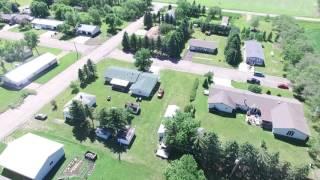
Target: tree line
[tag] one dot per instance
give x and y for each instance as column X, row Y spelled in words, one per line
column 229, row 160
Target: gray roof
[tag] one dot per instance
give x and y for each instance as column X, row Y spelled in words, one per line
column 146, row 82
column 203, row 44
column 7, row 17
column 87, row 28
column 253, row 49
column 122, row 73
column 282, row 112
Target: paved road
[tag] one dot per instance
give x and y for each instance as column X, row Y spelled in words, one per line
column 300, row 18
column 50, row 42
column 196, row 68
column 13, row 119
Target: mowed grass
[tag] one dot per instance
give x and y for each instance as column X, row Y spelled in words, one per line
column 42, row 50
column 22, row 2
column 9, row 97
column 139, row 162
column 288, row 7
column 64, row 63
column 274, row 91
column 21, row 30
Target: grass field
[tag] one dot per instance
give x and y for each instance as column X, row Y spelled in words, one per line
column 22, row 2
column 64, row 63
column 274, row 91
column 42, row 49
column 10, row 98
column 139, row 162
column 18, row 29
column 288, row 7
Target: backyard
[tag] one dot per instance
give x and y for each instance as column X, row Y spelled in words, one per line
column 139, row 162
column 288, row 7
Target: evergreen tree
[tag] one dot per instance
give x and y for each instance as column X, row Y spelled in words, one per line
column 276, row 39
column 264, row 36
column 167, row 18
column 92, row 68
column 125, row 42
column 233, row 50
column 204, row 9
column 133, row 42
column 142, row 59
column 159, row 44
column 270, row 37
column 152, row 45
column 146, row 42
column 139, row 43
column 148, row 20
column 81, row 77
column 87, row 73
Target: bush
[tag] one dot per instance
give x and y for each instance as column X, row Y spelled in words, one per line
column 166, row 28
column 190, row 109
column 269, row 92
column 194, row 90
column 255, row 88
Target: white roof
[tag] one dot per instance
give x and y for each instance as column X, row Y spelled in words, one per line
column 48, row 22
column 171, row 111
column 27, row 154
column 31, row 68
column 87, row 28
column 119, row 82
column 84, row 98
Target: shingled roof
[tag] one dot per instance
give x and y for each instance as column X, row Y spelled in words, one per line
column 253, row 49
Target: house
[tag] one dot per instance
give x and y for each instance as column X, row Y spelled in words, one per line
column 49, row 24
column 125, row 136
column 203, row 46
column 253, row 53
column 84, row 98
column 88, row 30
column 31, row 156
column 25, row 73
column 103, row 133
column 284, row 116
column 225, row 21
column 170, row 112
column 138, row 83
column 15, row 18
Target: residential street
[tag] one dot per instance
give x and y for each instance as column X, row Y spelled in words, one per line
column 196, row 68
column 14, row 118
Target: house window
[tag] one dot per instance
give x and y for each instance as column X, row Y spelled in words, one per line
column 290, row 133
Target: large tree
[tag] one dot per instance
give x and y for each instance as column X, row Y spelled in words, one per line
column 95, row 15
column 39, row 9
column 32, row 40
column 184, row 168
column 125, row 42
column 233, row 50
column 142, row 59
column 113, row 21
column 148, row 20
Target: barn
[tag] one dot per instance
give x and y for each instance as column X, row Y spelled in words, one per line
column 31, row 157
column 25, row 73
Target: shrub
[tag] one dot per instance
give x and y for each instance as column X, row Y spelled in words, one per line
column 190, row 108
column 74, row 87
column 194, row 90
column 255, row 88
column 269, row 92
column 205, row 84
column 166, row 28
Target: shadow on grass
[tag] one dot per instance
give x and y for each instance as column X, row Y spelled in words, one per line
column 292, row 141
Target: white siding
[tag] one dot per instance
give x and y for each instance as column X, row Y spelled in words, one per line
column 283, row 132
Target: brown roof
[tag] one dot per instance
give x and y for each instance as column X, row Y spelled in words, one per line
column 203, row 44
column 282, row 112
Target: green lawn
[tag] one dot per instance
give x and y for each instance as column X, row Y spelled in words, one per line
column 64, row 63
column 10, row 98
column 21, row 30
column 42, row 49
column 2, row 146
column 274, row 91
column 139, row 162
column 288, row 7
column 22, row 2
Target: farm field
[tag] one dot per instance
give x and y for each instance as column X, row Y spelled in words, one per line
column 288, row 7
column 140, row 162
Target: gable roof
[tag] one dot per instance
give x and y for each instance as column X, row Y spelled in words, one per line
column 253, row 49
column 84, row 98
column 282, row 112
column 122, row 73
column 203, row 44
column 47, row 22
column 146, row 82
column 87, row 28
column 27, row 154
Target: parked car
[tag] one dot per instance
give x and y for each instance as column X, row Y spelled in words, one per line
column 283, row 86
column 41, row 116
column 258, row 74
column 160, row 93
column 253, row 81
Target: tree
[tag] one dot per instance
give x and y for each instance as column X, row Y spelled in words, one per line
column 159, row 44
column 139, row 43
column 203, row 10
column 125, row 42
column 77, row 113
column 60, row 10
column 72, row 18
column 190, row 108
column 148, row 20
column 133, row 42
column 255, row 22
column 181, row 132
column 115, row 118
column 255, row 88
column 264, row 36
column 233, row 50
column 142, row 59
column 270, row 37
column 146, row 42
column 185, row 168
column 81, row 77
column 95, row 14
column 74, row 86
column 39, row 9
column 113, row 21
column 276, row 39
column 32, row 40
column 92, row 69
column 13, row 51
column 152, row 45
column 214, row 11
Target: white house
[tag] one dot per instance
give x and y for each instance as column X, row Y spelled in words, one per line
column 25, row 73
column 50, row 24
column 31, row 156
column 170, row 112
column 125, row 136
column 88, row 30
column 84, row 98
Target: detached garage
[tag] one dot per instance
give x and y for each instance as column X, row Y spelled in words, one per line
column 31, row 156
column 25, row 73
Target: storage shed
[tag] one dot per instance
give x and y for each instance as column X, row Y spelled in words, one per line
column 25, row 73
column 31, row 156
column 88, row 30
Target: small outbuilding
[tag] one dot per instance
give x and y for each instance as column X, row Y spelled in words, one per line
column 125, row 136
column 49, row 24
column 225, row 21
column 88, row 30
column 203, row 46
column 253, row 53
column 25, row 73
column 31, row 156
column 84, row 98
